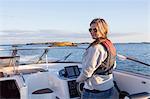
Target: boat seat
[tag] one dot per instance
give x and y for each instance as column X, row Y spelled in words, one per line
column 143, row 95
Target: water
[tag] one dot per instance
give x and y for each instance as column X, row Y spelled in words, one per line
column 140, row 51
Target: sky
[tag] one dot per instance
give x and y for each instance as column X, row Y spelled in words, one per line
column 25, row 21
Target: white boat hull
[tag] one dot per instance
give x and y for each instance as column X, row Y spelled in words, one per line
column 29, row 81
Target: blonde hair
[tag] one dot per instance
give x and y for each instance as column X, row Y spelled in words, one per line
column 102, row 26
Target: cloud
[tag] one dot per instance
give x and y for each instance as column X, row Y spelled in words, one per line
column 48, row 35
column 21, row 36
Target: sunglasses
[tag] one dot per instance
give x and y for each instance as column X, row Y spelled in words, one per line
column 90, row 30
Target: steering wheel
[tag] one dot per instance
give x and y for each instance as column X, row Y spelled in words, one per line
column 80, row 87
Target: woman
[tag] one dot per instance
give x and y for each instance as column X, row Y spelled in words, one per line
column 97, row 64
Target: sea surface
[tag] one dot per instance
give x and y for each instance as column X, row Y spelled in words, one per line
column 139, row 51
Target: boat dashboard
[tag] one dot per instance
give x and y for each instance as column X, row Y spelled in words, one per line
column 70, row 73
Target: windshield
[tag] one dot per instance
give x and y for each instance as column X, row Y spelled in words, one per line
column 54, row 54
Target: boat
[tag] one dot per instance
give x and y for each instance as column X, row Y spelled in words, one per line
column 56, row 79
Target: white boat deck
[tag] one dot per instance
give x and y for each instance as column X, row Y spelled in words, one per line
column 30, row 78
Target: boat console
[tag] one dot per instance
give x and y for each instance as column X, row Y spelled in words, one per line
column 70, row 73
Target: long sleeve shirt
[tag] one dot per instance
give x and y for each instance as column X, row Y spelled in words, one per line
column 92, row 59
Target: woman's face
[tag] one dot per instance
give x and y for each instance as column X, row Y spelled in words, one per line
column 95, row 33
